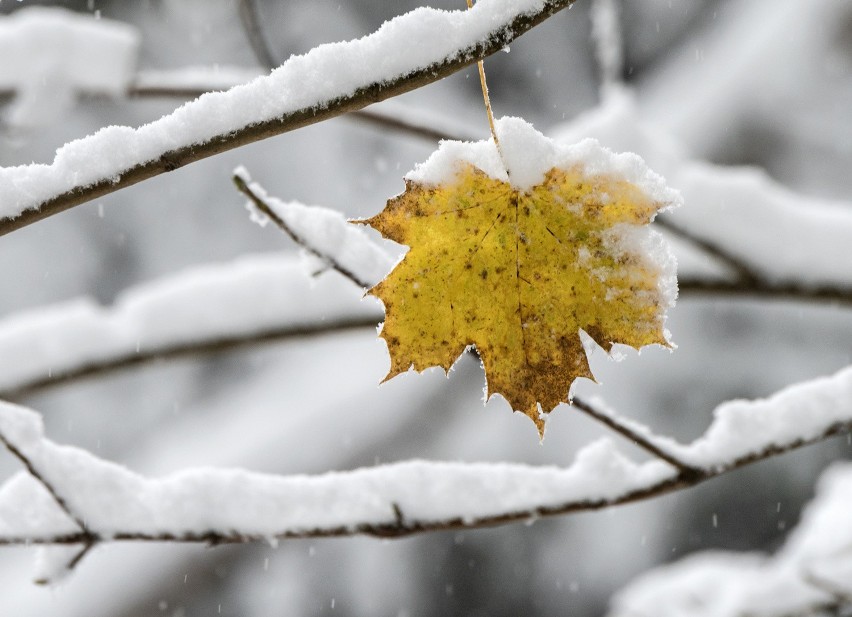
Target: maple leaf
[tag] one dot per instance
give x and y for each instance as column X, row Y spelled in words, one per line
column 518, row 268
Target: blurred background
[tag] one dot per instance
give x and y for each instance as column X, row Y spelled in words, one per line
column 734, row 82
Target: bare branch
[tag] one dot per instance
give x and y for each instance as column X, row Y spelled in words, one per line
column 169, row 160
column 643, row 439
column 745, row 274
column 395, row 122
column 758, row 289
column 251, row 26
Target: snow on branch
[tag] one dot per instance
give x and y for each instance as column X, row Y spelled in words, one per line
column 809, row 575
column 193, row 81
column 249, row 301
column 322, row 232
column 86, row 56
column 228, row 506
column 327, row 81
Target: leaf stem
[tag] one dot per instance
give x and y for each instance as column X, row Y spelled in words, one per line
column 488, row 111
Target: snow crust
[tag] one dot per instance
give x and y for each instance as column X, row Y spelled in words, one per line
column 407, row 43
column 218, row 301
column 66, row 54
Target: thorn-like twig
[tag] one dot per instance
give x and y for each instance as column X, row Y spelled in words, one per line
column 639, row 438
column 247, row 189
column 398, row 516
column 87, row 547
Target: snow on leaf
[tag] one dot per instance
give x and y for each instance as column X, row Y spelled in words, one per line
column 517, row 265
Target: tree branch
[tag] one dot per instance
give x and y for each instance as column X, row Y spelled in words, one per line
column 737, row 289
column 639, row 436
column 35, row 473
column 226, row 344
column 744, row 272
column 251, row 27
column 243, row 185
column 170, row 159
column 86, row 537
column 251, row 24
column 399, row 524
column 636, row 483
column 107, row 365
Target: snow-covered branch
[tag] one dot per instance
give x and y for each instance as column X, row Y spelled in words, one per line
column 322, row 232
column 94, row 57
column 326, row 82
column 228, row 506
column 252, row 300
column 192, row 82
column 809, row 575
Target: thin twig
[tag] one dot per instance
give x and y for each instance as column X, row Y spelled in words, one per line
column 259, row 202
column 170, row 160
column 393, row 122
column 403, row 526
column 744, row 272
column 686, row 470
column 251, row 26
column 60, row 501
column 88, row 539
column 741, row 290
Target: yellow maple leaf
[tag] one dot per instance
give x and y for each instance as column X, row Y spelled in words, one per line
column 518, row 271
